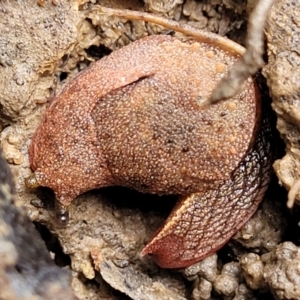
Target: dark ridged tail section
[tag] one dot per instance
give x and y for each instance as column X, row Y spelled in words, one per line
column 202, row 223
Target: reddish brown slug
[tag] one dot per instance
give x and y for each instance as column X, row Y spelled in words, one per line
column 135, row 118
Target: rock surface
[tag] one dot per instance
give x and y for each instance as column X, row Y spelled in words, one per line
column 282, row 73
column 26, row 269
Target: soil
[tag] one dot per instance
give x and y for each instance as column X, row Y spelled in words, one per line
column 43, row 45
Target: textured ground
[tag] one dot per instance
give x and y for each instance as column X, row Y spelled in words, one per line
column 44, row 44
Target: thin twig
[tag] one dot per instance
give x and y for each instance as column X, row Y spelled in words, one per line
column 251, row 61
column 188, row 30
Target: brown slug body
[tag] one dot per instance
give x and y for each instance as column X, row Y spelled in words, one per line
column 135, row 118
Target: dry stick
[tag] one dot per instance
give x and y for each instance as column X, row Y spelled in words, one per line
column 188, row 30
column 251, row 61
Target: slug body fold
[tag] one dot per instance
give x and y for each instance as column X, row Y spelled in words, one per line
column 134, row 118
column 203, row 222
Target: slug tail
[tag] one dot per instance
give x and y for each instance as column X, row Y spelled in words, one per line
column 202, row 223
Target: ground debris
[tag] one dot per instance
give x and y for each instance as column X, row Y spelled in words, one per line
column 26, row 269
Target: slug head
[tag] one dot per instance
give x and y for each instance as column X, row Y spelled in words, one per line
column 64, row 153
column 61, row 211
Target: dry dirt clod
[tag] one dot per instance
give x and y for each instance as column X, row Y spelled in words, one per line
column 207, row 268
column 282, row 73
column 282, row 272
column 253, row 270
column 266, row 229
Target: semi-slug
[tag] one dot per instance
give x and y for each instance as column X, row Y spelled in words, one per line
column 135, row 118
